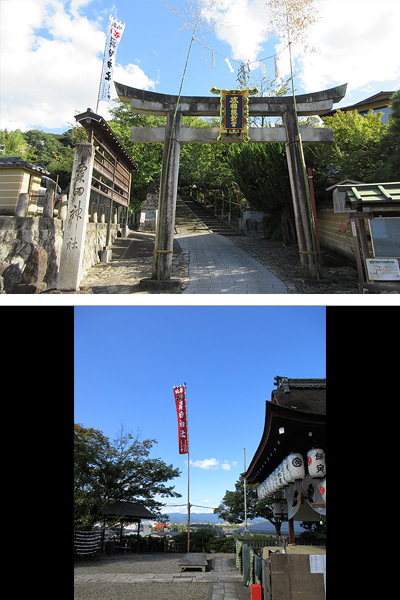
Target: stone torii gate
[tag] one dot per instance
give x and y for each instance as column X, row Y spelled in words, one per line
column 174, row 134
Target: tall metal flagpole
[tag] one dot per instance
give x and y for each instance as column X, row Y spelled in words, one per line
column 188, row 502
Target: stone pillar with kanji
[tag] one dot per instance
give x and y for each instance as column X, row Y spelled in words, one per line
column 70, row 272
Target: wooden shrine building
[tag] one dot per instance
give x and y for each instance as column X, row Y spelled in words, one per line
column 289, row 463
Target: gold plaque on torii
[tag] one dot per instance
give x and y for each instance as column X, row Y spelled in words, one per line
column 234, row 112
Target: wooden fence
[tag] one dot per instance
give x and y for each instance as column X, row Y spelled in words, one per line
column 260, row 543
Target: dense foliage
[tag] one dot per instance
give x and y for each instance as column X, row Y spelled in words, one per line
column 203, row 539
column 105, row 471
column 231, row 508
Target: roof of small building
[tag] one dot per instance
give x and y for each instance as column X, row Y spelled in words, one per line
column 90, row 120
column 18, row 161
column 379, row 100
column 128, row 511
column 372, row 193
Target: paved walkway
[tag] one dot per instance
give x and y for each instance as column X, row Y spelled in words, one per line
column 218, row 266
column 225, row 579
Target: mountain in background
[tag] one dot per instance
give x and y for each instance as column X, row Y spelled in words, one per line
column 199, row 518
column 258, row 525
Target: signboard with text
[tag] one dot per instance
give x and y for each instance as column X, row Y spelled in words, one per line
column 181, row 411
column 234, row 112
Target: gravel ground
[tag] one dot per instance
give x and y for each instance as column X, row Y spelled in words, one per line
column 141, row 591
column 157, row 562
column 136, row 563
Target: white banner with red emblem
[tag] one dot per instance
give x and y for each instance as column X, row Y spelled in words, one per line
column 181, row 411
column 114, row 34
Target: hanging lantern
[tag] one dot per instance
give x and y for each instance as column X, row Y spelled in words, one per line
column 278, row 512
column 322, row 489
column 273, row 482
column 278, row 480
column 286, row 473
column 316, row 462
column 279, row 477
column 259, row 491
column 296, row 465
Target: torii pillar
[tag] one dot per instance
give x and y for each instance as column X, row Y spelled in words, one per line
column 145, row 102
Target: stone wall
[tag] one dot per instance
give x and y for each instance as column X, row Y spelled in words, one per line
column 25, row 269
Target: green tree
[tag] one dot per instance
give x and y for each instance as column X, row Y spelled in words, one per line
column 388, row 168
column 262, row 174
column 116, row 470
column 354, row 154
column 55, row 152
column 231, row 508
column 13, row 143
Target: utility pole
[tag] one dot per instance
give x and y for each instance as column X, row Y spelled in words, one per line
column 245, row 494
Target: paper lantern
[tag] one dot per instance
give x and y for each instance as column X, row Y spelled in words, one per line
column 296, row 466
column 316, row 462
column 286, row 473
column 279, row 477
column 278, row 512
column 322, row 489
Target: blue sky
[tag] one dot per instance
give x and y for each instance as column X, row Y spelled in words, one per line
column 51, row 52
column 127, row 360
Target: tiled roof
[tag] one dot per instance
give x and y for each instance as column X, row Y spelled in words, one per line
column 17, row 161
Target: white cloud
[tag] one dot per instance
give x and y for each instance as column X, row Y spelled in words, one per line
column 46, row 78
column 207, row 463
column 214, row 464
column 242, row 24
column 356, row 43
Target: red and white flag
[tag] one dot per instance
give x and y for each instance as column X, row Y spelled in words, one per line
column 181, row 411
column 114, row 34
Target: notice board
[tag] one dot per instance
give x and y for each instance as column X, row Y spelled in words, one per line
column 385, row 235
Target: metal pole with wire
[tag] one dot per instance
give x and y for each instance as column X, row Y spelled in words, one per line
column 245, row 493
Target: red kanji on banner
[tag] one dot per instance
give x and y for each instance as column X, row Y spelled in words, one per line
column 181, row 411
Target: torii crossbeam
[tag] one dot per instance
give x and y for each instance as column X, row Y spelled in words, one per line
column 173, row 134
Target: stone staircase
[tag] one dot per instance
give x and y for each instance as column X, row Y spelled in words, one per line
column 212, row 222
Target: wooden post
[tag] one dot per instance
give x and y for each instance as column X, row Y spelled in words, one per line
column 299, row 195
column 291, row 531
column 167, row 202
column 163, row 246
column 359, row 261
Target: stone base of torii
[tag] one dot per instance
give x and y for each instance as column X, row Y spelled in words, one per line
column 173, row 135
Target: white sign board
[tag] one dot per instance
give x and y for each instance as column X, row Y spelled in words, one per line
column 383, row 269
column 318, row 565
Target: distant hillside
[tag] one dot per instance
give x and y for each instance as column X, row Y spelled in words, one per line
column 195, row 518
column 198, row 518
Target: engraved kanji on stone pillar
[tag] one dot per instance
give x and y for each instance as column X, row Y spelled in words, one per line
column 70, row 273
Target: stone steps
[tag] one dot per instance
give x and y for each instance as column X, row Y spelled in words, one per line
column 212, row 222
